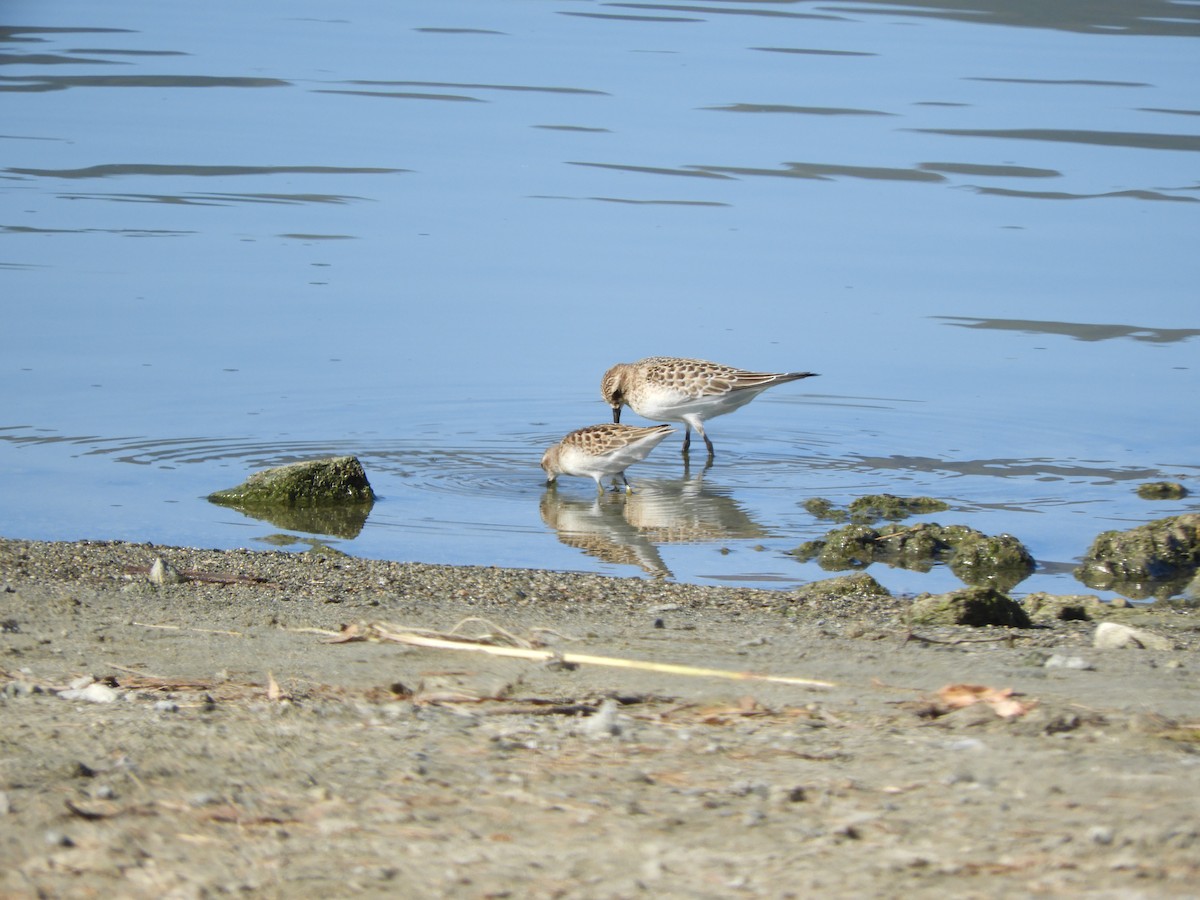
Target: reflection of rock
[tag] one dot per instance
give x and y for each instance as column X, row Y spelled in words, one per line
column 322, row 496
column 680, row 511
column 597, row 527
column 337, row 521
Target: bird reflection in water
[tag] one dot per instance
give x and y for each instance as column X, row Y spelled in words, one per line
column 626, row 529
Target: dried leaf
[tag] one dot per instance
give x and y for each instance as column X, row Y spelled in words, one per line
column 1003, row 701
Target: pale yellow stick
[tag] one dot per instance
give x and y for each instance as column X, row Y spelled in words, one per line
column 421, row 640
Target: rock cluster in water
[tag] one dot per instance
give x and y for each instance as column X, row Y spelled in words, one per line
column 996, row 560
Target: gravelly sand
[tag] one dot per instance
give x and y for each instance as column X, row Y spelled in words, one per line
column 244, row 753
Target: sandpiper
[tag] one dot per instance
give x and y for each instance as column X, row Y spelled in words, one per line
column 600, row 450
column 669, row 389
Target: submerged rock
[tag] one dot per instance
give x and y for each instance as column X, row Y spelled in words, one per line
column 321, row 496
column 1157, row 559
column 870, row 508
column 821, row 508
column 977, row 606
column 1162, row 490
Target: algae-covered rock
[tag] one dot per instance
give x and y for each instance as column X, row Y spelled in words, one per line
column 1000, row 561
column 976, row 606
column 872, row 507
column 1162, row 490
column 334, row 480
column 320, row 496
column 846, row 586
column 852, row 547
column 997, row 560
column 821, row 508
column 1045, row 608
column 1157, row 559
column 914, row 547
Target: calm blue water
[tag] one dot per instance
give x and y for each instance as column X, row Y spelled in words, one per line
column 420, row 232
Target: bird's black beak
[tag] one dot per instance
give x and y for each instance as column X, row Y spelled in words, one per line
column 617, row 414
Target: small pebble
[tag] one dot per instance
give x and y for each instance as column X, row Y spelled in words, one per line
column 1068, row 662
column 162, row 572
column 603, row 722
column 93, row 693
column 966, row 744
column 1113, row 636
column 754, row 818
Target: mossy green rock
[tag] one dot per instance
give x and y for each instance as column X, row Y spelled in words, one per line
column 852, row 547
column 915, row 547
column 975, row 606
column 1162, row 490
column 334, row 480
column 1156, row 559
column 821, row 508
column 846, row 586
column 1000, row 560
column 871, row 507
column 1046, row 608
column 320, row 496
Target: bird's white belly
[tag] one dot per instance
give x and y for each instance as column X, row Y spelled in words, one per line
column 677, row 407
column 578, row 462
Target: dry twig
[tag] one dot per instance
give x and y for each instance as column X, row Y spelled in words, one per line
column 411, row 637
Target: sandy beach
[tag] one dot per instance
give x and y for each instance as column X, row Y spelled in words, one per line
column 248, row 723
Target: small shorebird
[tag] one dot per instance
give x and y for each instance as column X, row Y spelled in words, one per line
column 667, row 389
column 600, row 450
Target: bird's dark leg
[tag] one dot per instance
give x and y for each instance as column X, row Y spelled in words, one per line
column 687, row 438
column 707, row 442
